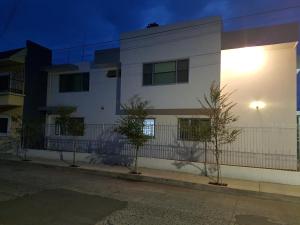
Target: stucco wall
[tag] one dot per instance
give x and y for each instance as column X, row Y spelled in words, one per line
column 199, row 41
column 102, row 93
column 245, row 173
column 266, row 74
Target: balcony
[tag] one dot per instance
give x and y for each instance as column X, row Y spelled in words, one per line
column 11, row 91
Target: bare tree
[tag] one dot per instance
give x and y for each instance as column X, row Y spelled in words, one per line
column 219, row 107
column 131, row 125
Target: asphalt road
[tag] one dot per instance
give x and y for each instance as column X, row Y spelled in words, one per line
column 36, row 195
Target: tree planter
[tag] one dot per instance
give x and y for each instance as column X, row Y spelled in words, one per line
column 135, row 173
column 218, row 184
column 74, row 166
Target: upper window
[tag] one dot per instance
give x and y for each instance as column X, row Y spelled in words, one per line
column 3, row 125
column 149, row 127
column 75, row 82
column 194, row 129
column 166, row 72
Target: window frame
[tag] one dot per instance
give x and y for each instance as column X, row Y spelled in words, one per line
column 154, row 128
column 72, row 74
column 176, row 72
column 8, row 125
column 189, row 118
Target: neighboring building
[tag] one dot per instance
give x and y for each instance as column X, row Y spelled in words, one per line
column 22, row 85
column 90, row 88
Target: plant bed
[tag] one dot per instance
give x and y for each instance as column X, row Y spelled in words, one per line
column 135, row 173
column 26, row 160
column 218, row 184
column 74, row 166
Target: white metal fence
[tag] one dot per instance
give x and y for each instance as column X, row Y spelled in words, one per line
column 268, row 147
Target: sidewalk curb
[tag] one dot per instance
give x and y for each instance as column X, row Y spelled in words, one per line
column 159, row 180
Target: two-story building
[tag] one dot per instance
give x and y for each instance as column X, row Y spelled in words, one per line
column 173, row 66
column 23, row 86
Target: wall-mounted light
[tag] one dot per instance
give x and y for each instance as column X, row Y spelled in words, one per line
column 257, row 105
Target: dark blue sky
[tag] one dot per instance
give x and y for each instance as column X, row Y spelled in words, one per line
column 65, row 23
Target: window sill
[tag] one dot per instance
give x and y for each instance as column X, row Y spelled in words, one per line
column 171, row 84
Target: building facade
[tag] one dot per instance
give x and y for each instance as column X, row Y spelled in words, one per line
column 172, row 67
column 22, row 86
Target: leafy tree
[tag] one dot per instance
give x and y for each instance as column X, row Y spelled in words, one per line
column 131, row 124
column 219, row 108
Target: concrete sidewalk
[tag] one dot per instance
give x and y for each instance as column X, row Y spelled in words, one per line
column 173, row 178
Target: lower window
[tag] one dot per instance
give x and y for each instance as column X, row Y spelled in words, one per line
column 149, row 128
column 71, row 127
column 194, row 129
column 3, row 125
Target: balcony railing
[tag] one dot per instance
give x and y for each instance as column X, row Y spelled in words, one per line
column 8, row 84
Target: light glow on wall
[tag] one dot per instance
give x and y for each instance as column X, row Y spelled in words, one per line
column 243, row 60
column 257, row 105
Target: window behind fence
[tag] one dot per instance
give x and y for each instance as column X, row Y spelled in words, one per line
column 73, row 127
column 193, row 129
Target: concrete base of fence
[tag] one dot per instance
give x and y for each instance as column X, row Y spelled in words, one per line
column 235, row 172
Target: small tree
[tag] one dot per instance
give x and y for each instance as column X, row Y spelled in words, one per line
column 219, row 108
column 70, row 126
column 203, row 134
column 132, row 123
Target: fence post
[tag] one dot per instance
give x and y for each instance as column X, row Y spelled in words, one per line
column 74, row 154
column 205, row 158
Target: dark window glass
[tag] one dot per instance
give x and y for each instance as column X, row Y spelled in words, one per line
column 73, row 127
column 194, row 129
column 147, row 74
column 3, row 125
column 4, row 83
column 166, row 72
column 112, row 73
column 182, row 76
column 182, row 71
column 74, row 82
column 164, row 78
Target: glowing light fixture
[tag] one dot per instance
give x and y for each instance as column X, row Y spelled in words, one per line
column 257, row 105
column 243, row 60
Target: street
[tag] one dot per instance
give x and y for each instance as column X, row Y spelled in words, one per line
column 36, row 195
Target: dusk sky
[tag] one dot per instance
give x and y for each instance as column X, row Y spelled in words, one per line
column 67, row 23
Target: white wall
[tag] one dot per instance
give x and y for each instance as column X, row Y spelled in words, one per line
column 245, row 173
column 267, row 74
column 200, row 41
column 102, row 93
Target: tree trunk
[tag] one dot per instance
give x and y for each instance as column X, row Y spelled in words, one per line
column 218, row 168
column 217, row 159
column 74, row 154
column 136, row 160
column 205, row 158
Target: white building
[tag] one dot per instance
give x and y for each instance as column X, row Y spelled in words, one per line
column 173, row 66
